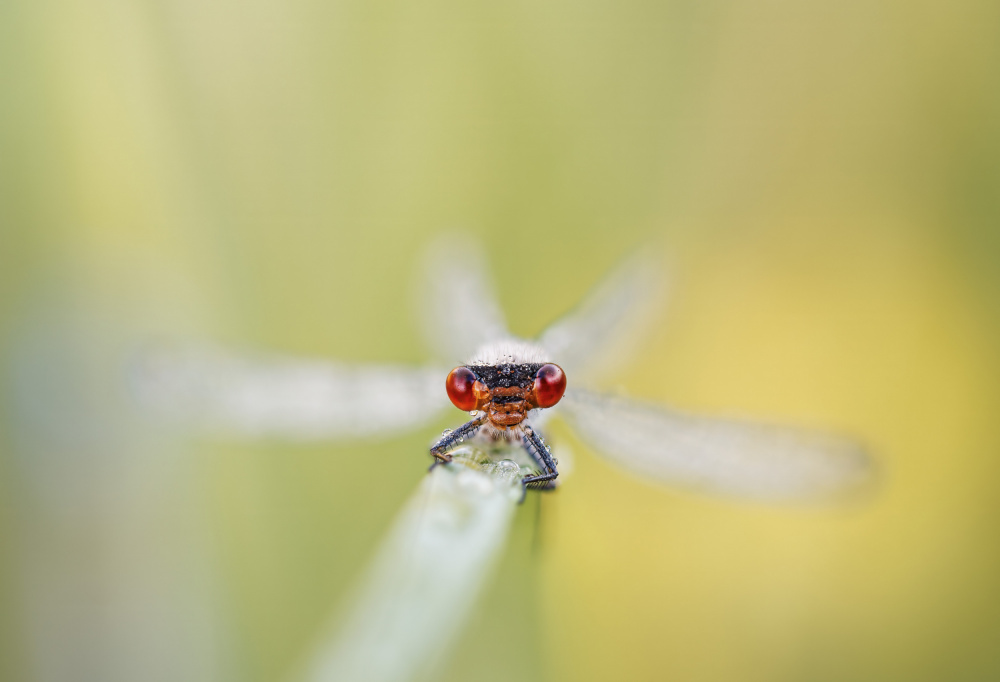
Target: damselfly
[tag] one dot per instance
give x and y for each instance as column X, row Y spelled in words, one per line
column 511, row 387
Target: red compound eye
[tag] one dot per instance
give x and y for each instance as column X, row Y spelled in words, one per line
column 550, row 384
column 464, row 388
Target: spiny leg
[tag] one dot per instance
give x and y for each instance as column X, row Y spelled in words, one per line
column 441, row 449
column 540, row 452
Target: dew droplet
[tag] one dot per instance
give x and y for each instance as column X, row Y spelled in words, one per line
column 446, row 432
column 506, row 469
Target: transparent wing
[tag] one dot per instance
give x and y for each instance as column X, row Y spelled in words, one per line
column 283, row 397
column 458, row 306
column 730, row 457
column 603, row 331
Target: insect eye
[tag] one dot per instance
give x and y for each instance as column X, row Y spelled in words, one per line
column 464, row 388
column 550, row 384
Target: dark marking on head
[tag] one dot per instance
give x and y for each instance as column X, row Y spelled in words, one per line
column 507, row 376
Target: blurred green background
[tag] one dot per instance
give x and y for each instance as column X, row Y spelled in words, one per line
column 823, row 178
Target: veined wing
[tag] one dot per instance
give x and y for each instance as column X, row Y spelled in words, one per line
column 457, row 303
column 287, row 398
column 605, row 328
column 731, row 457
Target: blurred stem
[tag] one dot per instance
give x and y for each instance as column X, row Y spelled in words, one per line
column 424, row 580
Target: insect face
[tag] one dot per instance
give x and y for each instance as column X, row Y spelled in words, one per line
column 507, row 391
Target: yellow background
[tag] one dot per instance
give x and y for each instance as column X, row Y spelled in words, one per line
column 824, row 179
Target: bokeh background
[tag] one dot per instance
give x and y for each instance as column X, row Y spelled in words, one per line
column 824, row 179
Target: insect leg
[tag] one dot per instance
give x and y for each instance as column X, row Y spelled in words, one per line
column 540, row 452
column 449, row 441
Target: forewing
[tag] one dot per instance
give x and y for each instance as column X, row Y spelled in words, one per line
column 457, row 303
column 604, row 330
column 732, row 457
column 283, row 397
